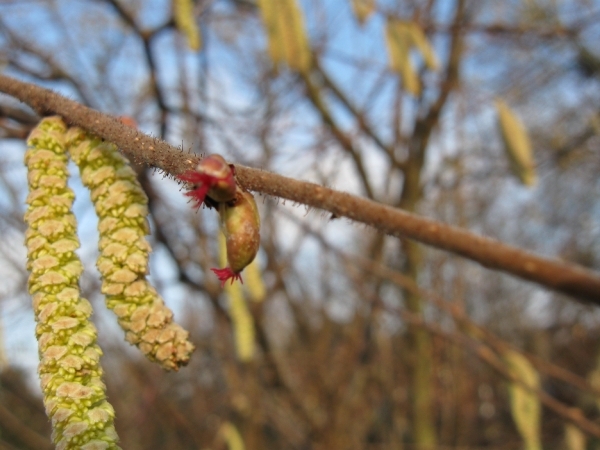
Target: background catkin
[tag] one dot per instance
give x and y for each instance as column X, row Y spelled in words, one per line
column 241, row 318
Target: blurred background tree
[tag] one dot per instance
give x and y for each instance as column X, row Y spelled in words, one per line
column 342, row 337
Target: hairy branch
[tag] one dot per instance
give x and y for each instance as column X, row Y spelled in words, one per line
column 554, row 274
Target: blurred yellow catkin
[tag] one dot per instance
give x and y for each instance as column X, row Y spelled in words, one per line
column 420, row 41
column 254, row 282
column 243, row 324
column 524, row 405
column 363, row 9
column 286, row 34
column 231, row 436
column 516, row 144
column 575, row 439
column 183, row 14
column 399, row 42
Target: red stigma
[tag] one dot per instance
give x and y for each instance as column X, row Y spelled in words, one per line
column 202, row 182
column 225, row 274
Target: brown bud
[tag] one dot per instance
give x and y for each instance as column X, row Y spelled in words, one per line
column 240, row 223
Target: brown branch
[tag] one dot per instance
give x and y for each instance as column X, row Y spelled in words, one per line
column 488, row 354
column 358, row 115
column 473, row 330
column 314, row 95
column 485, row 353
column 25, row 435
column 561, row 276
column 146, row 38
column 485, row 344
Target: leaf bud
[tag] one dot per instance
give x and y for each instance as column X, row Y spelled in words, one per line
column 240, row 223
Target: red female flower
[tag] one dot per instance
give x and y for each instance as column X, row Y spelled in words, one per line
column 212, row 177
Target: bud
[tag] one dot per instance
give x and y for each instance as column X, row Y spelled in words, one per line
column 129, row 121
column 240, row 223
column 213, row 177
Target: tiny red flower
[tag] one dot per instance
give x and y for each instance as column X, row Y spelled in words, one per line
column 212, row 177
column 227, row 274
column 202, row 183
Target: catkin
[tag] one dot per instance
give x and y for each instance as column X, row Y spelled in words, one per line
column 241, row 319
column 69, row 369
column 122, row 207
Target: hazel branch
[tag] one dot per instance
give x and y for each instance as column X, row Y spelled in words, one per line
column 560, row 276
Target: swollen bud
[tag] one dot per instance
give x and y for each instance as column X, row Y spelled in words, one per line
column 240, row 224
column 212, row 177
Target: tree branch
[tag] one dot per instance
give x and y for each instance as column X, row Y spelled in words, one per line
column 563, row 277
column 314, row 95
column 24, row 435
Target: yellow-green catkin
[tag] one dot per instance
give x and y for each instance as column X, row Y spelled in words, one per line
column 254, row 282
column 286, row 34
column 399, row 42
column 69, row 369
column 183, row 13
column 122, row 208
column 243, row 324
column 363, row 9
column 231, row 436
column 525, row 405
column 517, row 144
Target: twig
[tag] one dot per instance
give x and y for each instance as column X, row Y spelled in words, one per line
column 358, row 115
column 573, row 415
column 24, row 434
column 314, row 95
column 474, row 331
column 561, row 276
column 146, row 38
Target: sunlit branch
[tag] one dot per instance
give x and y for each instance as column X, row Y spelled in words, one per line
column 561, row 276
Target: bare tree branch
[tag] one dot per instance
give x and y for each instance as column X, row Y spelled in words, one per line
column 561, row 276
column 25, row 435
